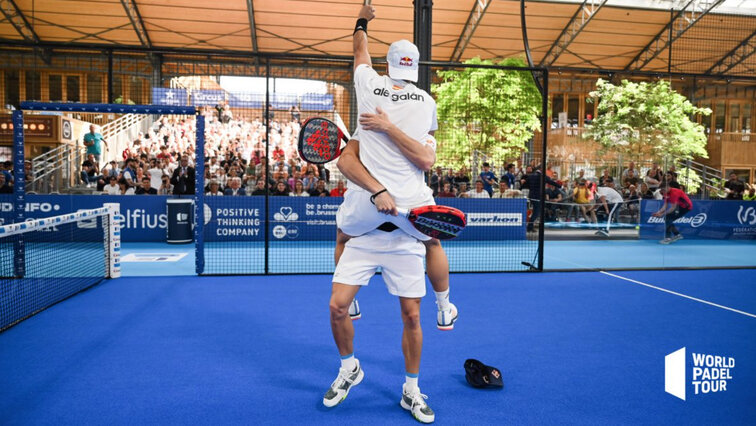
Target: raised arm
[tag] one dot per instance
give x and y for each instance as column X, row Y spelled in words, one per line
column 359, row 39
column 419, row 154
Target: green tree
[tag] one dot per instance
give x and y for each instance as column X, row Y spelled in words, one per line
column 646, row 120
column 489, row 110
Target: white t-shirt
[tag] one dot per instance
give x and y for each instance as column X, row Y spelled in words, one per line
column 473, row 194
column 156, row 175
column 612, row 196
column 111, row 190
column 412, row 110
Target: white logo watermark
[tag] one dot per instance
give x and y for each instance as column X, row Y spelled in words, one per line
column 710, row 373
column 694, row 221
column 747, row 216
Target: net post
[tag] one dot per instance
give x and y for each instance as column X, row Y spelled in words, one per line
column 113, row 240
column 19, row 191
column 199, row 194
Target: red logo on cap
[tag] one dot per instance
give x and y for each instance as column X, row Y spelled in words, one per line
column 405, row 61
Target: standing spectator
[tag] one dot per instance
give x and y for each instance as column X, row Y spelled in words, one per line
column 299, row 190
column 446, row 191
column 234, row 187
column 146, row 187
column 479, row 191
column 93, row 141
column 156, row 173
column 129, row 174
column 437, row 181
column 488, row 178
column 112, row 187
column 295, row 114
column 509, row 176
column 533, row 182
column 462, row 177
column 339, row 190
column 320, row 190
column 734, row 188
column 183, row 178
column 4, row 187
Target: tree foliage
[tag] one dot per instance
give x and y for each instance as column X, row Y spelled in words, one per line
column 646, row 120
column 489, row 110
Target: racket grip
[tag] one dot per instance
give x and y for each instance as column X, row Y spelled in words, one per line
column 402, row 212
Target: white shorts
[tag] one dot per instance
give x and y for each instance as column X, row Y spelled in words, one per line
column 399, row 256
column 358, row 216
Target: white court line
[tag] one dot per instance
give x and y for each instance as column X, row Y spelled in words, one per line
column 680, row 294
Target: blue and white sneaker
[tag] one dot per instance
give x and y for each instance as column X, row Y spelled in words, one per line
column 354, row 310
column 446, row 318
column 341, row 386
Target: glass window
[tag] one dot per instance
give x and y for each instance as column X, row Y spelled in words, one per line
column 136, row 93
column 734, row 117
column 72, row 89
column 12, row 94
column 557, row 106
column 33, row 86
column 94, row 88
column 719, row 117
column 56, row 88
column 117, row 88
column 705, row 120
column 746, row 127
column 573, row 110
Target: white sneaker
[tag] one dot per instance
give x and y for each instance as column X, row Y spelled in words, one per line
column 602, row 233
column 341, row 386
column 354, row 310
column 414, row 402
column 665, row 241
column 677, row 237
column 446, row 318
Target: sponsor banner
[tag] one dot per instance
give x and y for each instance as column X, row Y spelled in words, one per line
column 163, row 96
column 143, row 218
column 246, row 99
column 234, row 218
column 208, row 97
column 317, row 102
column 709, row 219
column 283, row 100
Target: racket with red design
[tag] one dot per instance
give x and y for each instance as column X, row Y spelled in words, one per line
column 320, row 140
column 442, row 222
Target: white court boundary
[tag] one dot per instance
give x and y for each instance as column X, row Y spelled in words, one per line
column 679, row 294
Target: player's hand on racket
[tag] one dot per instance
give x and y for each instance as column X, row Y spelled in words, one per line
column 384, row 202
column 367, row 11
column 378, row 122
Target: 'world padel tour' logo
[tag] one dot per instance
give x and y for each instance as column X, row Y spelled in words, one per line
column 709, row 373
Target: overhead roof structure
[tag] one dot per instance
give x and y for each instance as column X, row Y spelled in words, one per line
column 616, row 34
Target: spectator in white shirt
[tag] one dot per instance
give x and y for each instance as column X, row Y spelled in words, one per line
column 112, row 187
column 214, row 188
column 479, row 191
column 124, row 187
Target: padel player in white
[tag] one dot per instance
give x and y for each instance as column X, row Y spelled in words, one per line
column 611, row 200
column 398, row 252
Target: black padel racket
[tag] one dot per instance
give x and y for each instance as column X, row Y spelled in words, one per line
column 442, row 222
column 320, row 140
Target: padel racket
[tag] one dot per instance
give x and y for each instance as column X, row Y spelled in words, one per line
column 442, row 222
column 320, row 140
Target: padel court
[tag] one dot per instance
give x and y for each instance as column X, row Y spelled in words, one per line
column 583, row 347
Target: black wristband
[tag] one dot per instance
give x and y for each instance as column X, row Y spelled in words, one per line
column 372, row 197
column 360, row 26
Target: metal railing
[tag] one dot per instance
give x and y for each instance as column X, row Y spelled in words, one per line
column 120, row 133
column 56, row 170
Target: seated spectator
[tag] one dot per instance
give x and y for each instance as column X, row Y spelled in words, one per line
column 103, row 180
column 112, row 187
column 259, row 188
column 124, row 188
column 645, row 192
column 310, row 181
column 234, row 187
column 299, row 190
column 146, row 187
column 446, row 191
column 462, row 177
column 604, row 177
column 165, row 188
column 339, row 190
column 281, row 189
column 213, row 188
column 582, row 196
column 320, row 190
column 654, row 177
column 479, row 191
column 633, row 197
column 751, row 194
column 553, row 197
column 88, row 175
column 4, row 187
column 462, row 191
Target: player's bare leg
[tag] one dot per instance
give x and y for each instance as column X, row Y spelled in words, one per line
column 437, row 268
column 412, row 347
column 350, row 373
column 341, row 240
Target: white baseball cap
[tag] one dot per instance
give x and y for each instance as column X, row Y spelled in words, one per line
column 403, row 58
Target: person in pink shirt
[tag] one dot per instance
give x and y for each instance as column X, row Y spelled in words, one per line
column 676, row 205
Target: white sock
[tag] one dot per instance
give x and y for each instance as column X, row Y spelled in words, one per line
column 410, row 382
column 442, row 299
column 348, row 362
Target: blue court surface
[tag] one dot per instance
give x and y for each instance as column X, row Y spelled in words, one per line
column 574, row 348
column 480, row 256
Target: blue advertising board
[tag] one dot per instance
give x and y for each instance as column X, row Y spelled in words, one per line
column 709, row 219
column 317, row 102
column 283, row 100
column 208, row 97
column 246, row 99
column 164, row 96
